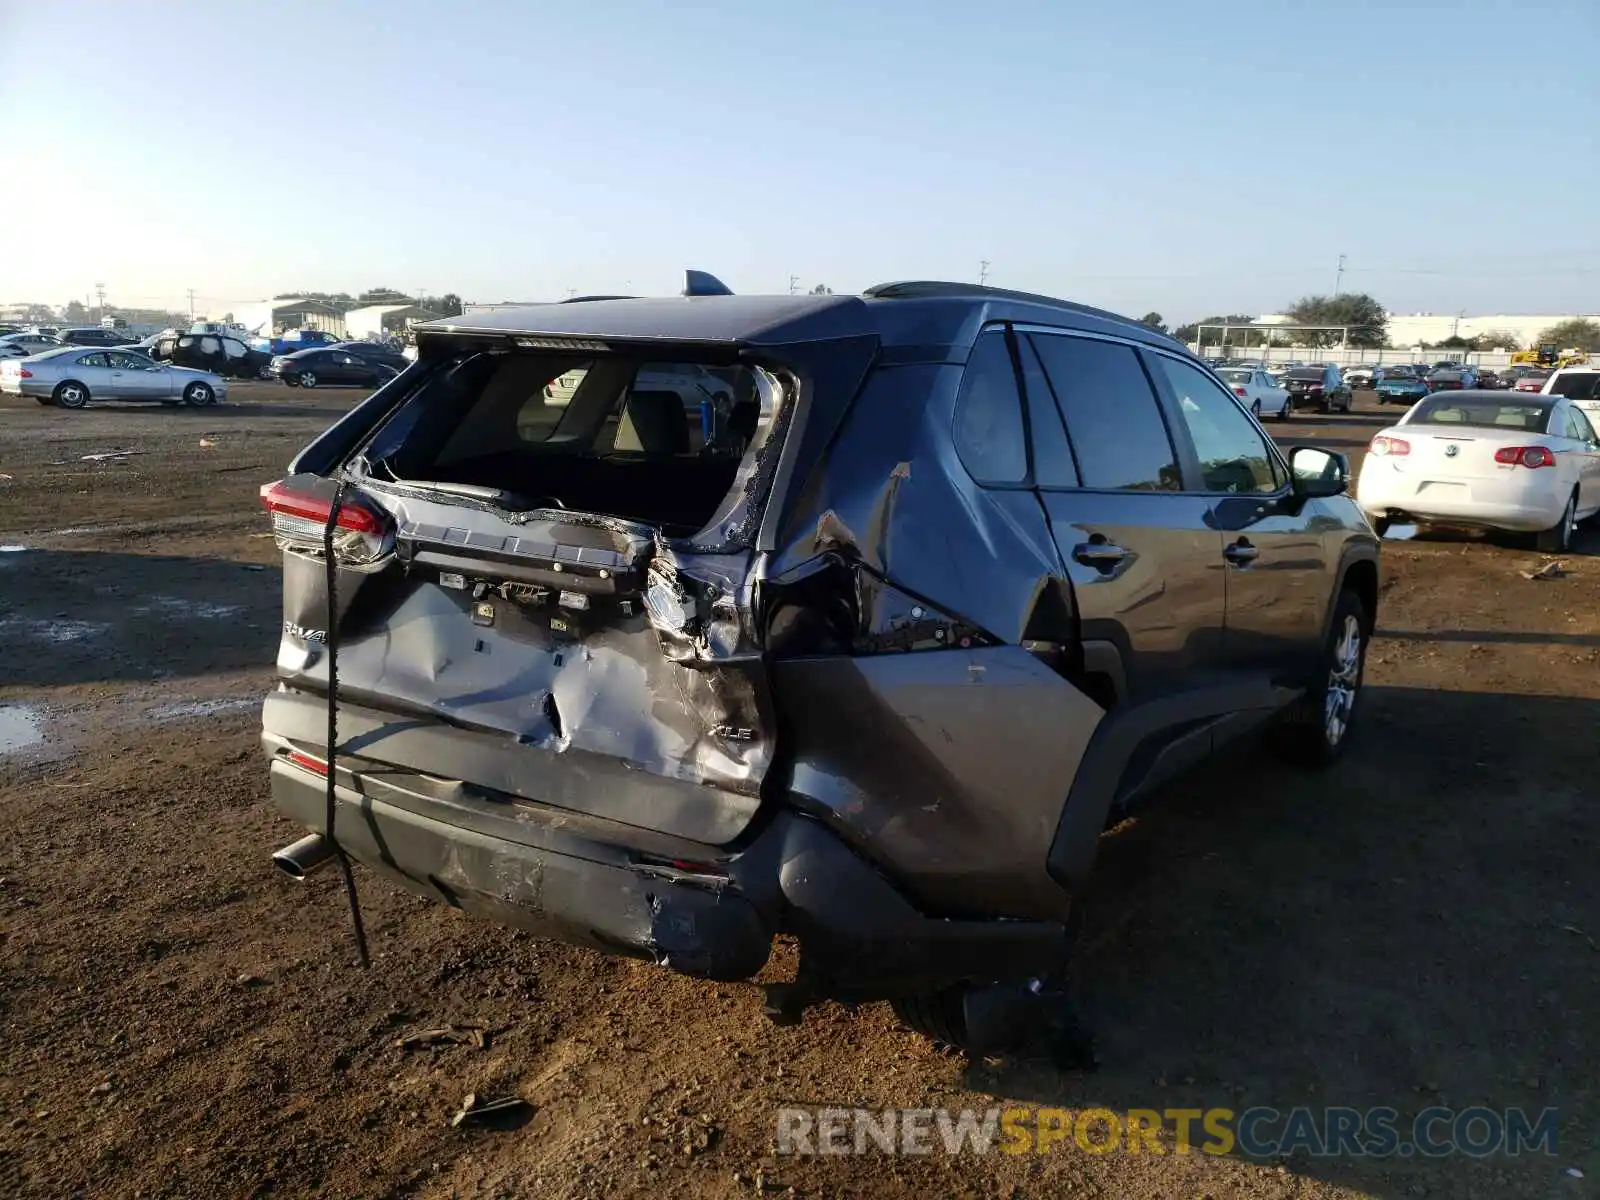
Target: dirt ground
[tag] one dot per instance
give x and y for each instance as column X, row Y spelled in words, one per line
column 1419, row 926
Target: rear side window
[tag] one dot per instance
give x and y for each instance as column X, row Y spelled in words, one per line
column 1576, row 385
column 988, row 429
column 92, row 360
column 1113, row 419
column 1579, row 424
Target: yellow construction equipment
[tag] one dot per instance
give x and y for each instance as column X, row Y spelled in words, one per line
column 1547, row 356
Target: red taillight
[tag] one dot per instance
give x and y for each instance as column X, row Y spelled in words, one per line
column 1526, row 456
column 1238, row 391
column 363, row 534
column 1393, row 447
column 308, row 762
column 353, row 514
column 24, row 372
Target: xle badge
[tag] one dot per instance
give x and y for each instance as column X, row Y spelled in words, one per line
column 483, row 613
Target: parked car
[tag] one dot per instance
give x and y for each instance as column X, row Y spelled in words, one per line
column 1359, row 376
column 1581, row 385
column 221, row 354
column 300, row 339
column 318, row 368
column 616, row 687
column 1532, row 381
column 1259, row 391
column 1400, row 387
column 1489, row 381
column 95, row 335
column 12, row 350
column 1487, row 460
column 72, row 376
column 1456, row 377
column 31, row 343
column 1318, row 387
column 375, row 352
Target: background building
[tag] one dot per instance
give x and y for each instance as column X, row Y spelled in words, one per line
column 376, row 320
column 275, row 316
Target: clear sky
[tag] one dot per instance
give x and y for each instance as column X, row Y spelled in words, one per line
column 1188, row 158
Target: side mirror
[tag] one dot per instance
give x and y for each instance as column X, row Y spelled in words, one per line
column 1316, row 472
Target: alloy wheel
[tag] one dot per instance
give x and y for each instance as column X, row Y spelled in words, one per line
column 1344, row 677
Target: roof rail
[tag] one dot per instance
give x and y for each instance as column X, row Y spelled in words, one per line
column 925, row 289
column 586, row 299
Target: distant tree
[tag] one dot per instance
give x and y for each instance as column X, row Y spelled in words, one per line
column 1497, row 339
column 1153, row 319
column 822, row 289
column 1579, row 333
column 1454, row 342
column 449, row 305
column 74, row 312
column 1368, row 322
column 384, row 295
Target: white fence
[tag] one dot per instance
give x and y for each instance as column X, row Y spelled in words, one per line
column 1353, row 356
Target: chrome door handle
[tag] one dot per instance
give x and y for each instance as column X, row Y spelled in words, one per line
column 1098, row 554
column 1241, row 553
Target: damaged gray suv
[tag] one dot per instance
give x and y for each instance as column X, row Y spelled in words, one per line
column 868, row 653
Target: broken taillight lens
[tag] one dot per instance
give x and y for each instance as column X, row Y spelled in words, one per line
column 363, row 534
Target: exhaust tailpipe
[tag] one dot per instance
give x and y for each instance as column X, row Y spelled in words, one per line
column 309, row 854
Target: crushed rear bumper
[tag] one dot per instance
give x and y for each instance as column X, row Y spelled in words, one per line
column 707, row 911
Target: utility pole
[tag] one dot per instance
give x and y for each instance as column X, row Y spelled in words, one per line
column 1338, row 279
column 191, row 308
column 794, row 284
column 983, row 272
column 100, row 298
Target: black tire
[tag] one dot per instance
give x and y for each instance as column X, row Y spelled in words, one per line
column 1288, row 407
column 1255, row 409
column 937, row 1016
column 1305, row 736
column 1380, row 526
column 307, row 379
column 1558, row 538
column 290, row 381
column 199, row 395
column 70, row 393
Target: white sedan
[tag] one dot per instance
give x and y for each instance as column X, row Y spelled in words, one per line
column 1257, row 391
column 1489, row 460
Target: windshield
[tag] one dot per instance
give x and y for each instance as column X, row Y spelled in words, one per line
column 1576, row 385
column 1527, row 415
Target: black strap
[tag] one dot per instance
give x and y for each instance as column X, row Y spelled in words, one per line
column 331, row 576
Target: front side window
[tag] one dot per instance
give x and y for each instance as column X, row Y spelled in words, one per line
column 1234, row 456
column 1113, row 418
column 92, row 360
column 210, row 345
column 988, row 427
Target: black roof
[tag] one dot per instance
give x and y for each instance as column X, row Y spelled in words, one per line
column 923, row 314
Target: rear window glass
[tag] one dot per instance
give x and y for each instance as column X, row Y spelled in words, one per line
column 1576, row 385
column 1493, row 414
column 1236, row 375
column 1312, row 373
column 658, row 441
